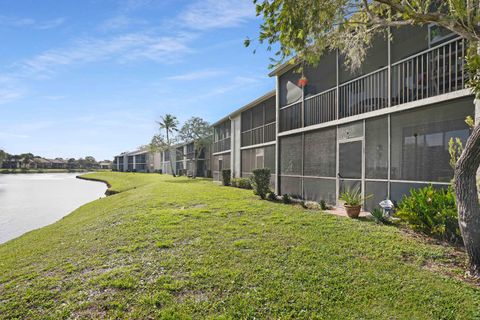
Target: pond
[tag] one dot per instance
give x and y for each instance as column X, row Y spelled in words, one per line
column 31, row 201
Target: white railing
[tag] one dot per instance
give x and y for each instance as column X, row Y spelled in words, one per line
column 364, row 94
column 432, row 72
column 291, row 117
column 321, row 107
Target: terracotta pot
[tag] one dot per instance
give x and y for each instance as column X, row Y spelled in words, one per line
column 302, row 82
column 353, row 211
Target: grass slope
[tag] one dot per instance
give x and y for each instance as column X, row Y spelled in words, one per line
column 179, row 248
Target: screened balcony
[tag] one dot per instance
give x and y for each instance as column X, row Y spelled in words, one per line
column 221, row 137
column 221, row 145
column 258, row 124
column 436, row 71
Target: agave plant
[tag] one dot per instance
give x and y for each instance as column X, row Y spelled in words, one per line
column 354, row 197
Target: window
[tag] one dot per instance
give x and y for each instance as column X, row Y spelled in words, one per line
column 420, row 140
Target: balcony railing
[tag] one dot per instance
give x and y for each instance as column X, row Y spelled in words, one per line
column 364, row 94
column 222, row 145
column 259, row 135
column 291, row 117
column 433, row 72
column 321, row 107
column 269, row 132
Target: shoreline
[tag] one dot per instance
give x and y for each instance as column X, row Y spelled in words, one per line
column 108, row 192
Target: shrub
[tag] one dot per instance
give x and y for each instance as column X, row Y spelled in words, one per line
column 323, row 205
column 245, row 183
column 311, row 205
column 242, row 183
column 286, row 198
column 431, row 211
column 261, row 182
column 353, row 197
column 226, row 176
column 379, row 216
column 272, row 196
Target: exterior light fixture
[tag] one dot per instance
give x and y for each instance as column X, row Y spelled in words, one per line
column 387, row 206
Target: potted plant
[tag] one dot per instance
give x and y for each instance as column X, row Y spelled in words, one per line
column 353, row 201
column 303, row 81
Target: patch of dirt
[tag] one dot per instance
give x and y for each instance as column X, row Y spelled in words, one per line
column 452, row 262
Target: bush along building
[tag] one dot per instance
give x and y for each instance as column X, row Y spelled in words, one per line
column 384, row 129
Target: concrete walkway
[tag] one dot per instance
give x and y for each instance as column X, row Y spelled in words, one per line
column 340, row 211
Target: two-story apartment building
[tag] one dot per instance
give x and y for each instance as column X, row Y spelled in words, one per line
column 245, row 140
column 182, row 156
column 383, row 129
column 185, row 154
column 137, row 161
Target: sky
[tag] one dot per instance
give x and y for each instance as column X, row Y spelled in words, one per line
column 92, row 77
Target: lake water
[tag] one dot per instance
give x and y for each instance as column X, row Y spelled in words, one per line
column 31, row 201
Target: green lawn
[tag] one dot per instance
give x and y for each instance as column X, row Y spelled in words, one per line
column 176, row 248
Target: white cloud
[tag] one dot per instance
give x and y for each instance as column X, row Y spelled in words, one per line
column 120, row 22
column 55, row 98
column 212, row 14
column 8, row 21
column 50, row 24
column 10, row 135
column 238, row 82
column 10, row 94
column 130, row 5
column 123, row 48
column 197, row 75
column 10, row 90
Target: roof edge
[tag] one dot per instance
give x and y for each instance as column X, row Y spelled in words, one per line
column 284, row 67
column 249, row 105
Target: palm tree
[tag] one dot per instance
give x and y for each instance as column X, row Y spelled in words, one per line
column 169, row 123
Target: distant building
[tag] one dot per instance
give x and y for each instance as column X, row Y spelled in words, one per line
column 58, row 163
column 136, row 161
column 105, row 165
column 182, row 157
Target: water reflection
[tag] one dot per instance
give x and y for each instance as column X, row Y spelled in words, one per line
column 31, row 201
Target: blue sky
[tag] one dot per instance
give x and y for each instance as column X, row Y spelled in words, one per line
column 91, row 77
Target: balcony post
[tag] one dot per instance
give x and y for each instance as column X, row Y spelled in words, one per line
column 302, row 110
column 337, row 91
column 277, row 130
column 389, row 81
column 337, row 156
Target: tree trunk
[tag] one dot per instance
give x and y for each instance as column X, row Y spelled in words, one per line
column 194, row 174
column 169, row 150
column 171, row 164
column 467, row 199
